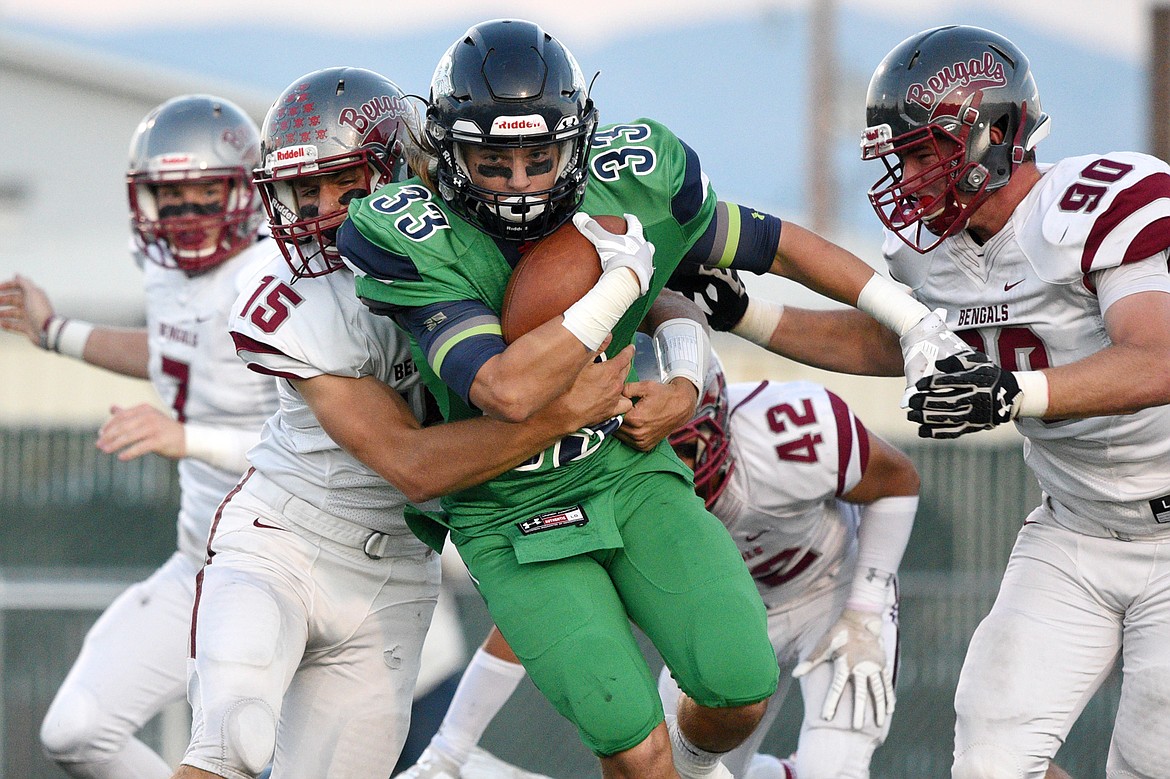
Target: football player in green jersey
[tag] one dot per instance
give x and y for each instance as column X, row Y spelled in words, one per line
column 592, row 534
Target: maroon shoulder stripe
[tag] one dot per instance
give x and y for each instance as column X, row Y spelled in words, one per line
column 1152, row 239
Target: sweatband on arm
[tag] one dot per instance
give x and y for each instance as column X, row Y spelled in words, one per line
column 759, row 321
column 65, row 336
column 592, row 317
column 889, row 304
column 1033, row 398
column 223, row 447
column 882, row 535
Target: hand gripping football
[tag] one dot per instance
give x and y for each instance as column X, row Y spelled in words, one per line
column 551, row 276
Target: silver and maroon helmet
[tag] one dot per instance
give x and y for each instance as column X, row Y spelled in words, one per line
column 507, row 83
column 948, row 84
column 327, row 123
column 709, row 433
column 194, row 139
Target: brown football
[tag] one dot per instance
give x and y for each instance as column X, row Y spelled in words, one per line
column 551, row 276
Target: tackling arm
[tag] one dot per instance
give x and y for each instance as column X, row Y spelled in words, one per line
column 419, row 461
column 842, row 340
column 831, row 270
column 845, row 340
column 662, row 408
column 805, row 257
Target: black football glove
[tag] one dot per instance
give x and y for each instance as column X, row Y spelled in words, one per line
column 969, row 393
column 718, row 291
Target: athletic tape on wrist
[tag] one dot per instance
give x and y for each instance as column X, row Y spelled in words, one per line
column 222, row 447
column 882, row 535
column 1033, row 398
column 592, row 317
column 759, row 321
column 683, row 350
column 889, row 304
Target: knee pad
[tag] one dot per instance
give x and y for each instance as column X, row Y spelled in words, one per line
column 614, row 704
column 69, row 732
column 249, row 736
column 986, row 761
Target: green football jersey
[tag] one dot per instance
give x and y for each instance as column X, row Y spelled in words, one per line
column 431, row 255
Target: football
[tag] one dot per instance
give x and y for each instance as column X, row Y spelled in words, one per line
column 551, row 276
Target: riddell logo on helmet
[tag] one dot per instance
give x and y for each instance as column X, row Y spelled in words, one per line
column 304, row 157
column 972, row 75
column 519, row 125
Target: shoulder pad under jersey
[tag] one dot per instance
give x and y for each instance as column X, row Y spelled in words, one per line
column 1094, row 212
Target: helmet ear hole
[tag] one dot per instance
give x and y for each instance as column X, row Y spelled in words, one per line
column 998, row 131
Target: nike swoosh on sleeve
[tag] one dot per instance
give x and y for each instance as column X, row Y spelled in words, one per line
column 257, row 523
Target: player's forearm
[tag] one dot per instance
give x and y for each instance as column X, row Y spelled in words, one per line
column 526, row 376
column 846, row 341
column 1120, row 379
column 820, row 265
column 421, row 462
column 119, row 349
column 486, row 448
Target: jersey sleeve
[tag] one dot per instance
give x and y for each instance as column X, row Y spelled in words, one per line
column 263, row 328
column 407, row 250
column 1096, row 212
column 642, row 167
column 1113, row 284
column 457, row 338
column 737, row 237
column 301, row 329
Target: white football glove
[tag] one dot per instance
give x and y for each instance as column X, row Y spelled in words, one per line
column 925, row 344
column 854, row 645
column 631, row 250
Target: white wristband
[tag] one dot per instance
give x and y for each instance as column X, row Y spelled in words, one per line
column 65, row 336
column 889, row 304
column 1033, row 397
column 759, row 321
column 592, row 317
column 684, row 350
column 223, row 447
column 882, row 535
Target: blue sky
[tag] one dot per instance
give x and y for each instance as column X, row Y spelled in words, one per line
column 731, row 78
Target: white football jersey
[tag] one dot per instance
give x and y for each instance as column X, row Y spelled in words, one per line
column 1027, row 298
column 311, row 327
column 194, row 368
column 797, row 447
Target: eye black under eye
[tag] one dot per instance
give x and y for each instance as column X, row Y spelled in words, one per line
column 494, row 171
column 539, row 168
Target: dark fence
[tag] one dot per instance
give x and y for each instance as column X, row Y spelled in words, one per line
column 76, row 525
